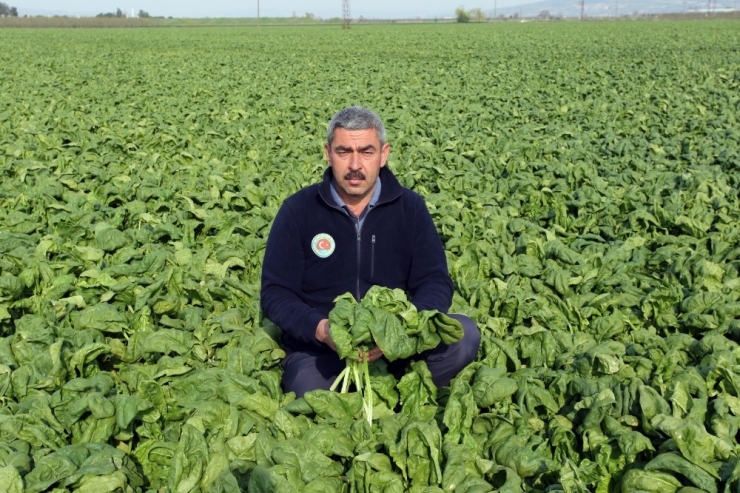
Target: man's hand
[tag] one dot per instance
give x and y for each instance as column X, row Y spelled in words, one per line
column 373, row 354
column 323, row 334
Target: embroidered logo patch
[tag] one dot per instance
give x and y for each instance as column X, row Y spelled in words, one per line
column 322, row 245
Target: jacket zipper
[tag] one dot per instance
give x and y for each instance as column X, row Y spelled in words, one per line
column 356, row 222
column 372, row 257
column 359, row 242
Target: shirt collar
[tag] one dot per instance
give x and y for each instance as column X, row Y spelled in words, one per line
column 373, row 200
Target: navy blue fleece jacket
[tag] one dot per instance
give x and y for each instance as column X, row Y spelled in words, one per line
column 397, row 247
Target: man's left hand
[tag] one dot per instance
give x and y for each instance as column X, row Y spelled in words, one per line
column 372, row 354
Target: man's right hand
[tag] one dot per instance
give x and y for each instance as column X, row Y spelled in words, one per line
column 323, row 335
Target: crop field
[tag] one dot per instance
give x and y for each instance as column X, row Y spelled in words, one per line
column 584, row 178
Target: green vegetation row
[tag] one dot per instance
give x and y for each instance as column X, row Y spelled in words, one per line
column 584, row 179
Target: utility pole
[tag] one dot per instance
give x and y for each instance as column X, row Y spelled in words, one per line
column 345, row 14
column 494, row 9
column 582, row 2
column 258, row 14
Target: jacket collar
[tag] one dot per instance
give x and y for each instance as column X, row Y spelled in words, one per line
column 390, row 190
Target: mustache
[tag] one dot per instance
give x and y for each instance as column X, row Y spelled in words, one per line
column 354, row 175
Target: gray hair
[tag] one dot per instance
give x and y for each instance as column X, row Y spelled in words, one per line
column 355, row 118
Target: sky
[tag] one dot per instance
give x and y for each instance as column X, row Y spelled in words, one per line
column 378, row 9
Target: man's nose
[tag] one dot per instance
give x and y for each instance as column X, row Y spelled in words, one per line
column 354, row 161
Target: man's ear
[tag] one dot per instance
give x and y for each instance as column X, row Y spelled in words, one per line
column 327, row 153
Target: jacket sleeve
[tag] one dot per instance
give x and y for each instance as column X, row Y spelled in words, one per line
column 282, row 279
column 429, row 282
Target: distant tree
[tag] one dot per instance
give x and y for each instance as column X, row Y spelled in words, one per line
column 477, row 15
column 143, row 14
column 461, row 14
column 544, row 14
column 119, row 13
column 6, row 10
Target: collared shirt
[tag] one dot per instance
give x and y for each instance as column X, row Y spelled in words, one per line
column 373, row 202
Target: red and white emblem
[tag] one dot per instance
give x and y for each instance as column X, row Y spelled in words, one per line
column 323, row 245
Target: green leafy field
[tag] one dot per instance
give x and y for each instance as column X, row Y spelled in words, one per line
column 584, row 178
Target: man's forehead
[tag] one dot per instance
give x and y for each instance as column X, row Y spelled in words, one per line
column 355, row 138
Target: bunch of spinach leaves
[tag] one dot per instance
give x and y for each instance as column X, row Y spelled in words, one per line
column 384, row 318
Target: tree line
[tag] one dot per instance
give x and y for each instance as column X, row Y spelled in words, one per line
column 119, row 13
column 8, row 11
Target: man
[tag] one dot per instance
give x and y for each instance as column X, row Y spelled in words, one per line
column 357, row 228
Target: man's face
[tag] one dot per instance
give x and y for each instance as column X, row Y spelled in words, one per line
column 355, row 157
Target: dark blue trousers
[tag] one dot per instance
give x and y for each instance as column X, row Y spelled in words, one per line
column 311, row 370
